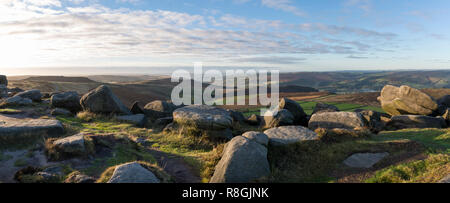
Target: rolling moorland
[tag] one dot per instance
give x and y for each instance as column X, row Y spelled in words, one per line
column 393, row 148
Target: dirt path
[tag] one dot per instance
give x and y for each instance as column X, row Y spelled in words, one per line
column 176, row 167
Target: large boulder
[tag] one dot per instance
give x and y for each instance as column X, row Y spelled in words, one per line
column 237, row 116
column 415, row 121
column 15, row 130
column 203, row 117
column 281, row 118
column 3, row 80
column 373, row 118
column 102, row 100
column 158, row 109
column 300, row 117
column 34, row 95
column 243, row 161
column 289, row 134
column 3, row 91
column 405, row 100
column 138, row 119
column 66, row 100
column 322, row 107
column 331, row 120
column 67, row 147
column 444, row 101
column 254, row 120
column 258, row 137
column 161, row 106
column 132, row 173
column 136, row 109
column 16, row 101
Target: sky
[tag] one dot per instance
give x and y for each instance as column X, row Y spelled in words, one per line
column 288, row 35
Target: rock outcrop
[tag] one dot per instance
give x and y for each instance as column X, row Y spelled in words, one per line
column 16, row 101
column 132, row 173
column 415, row 121
column 444, row 101
column 258, row 137
column 330, row 120
column 3, row 91
column 237, row 116
column 102, row 100
column 243, row 161
column 69, row 147
column 322, row 107
column 405, row 100
column 300, row 117
column 281, row 118
column 203, row 117
column 158, row 109
column 3, row 80
column 138, row 119
column 289, row 134
column 66, row 100
column 34, row 95
column 212, row 121
column 254, row 120
column 20, row 130
column 374, row 119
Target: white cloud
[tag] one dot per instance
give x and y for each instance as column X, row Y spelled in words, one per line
column 32, row 34
column 284, row 5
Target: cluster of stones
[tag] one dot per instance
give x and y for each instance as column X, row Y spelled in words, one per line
column 244, row 157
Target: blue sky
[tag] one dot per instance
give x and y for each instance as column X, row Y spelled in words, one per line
column 302, row 35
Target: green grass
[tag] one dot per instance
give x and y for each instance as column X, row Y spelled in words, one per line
column 9, row 111
column 436, row 140
column 430, row 170
column 316, row 161
column 197, row 151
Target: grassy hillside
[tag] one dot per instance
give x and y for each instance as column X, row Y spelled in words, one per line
column 347, row 82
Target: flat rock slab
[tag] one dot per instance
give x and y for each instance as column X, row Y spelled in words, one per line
column 72, row 144
column 331, row 120
column 364, row 160
column 12, row 127
column 138, row 119
column 132, row 173
column 289, row 134
column 203, row 117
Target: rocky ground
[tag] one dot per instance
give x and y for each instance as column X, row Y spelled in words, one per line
column 72, row 138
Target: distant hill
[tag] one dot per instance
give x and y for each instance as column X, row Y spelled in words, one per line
column 359, row 81
column 60, row 79
column 295, row 88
